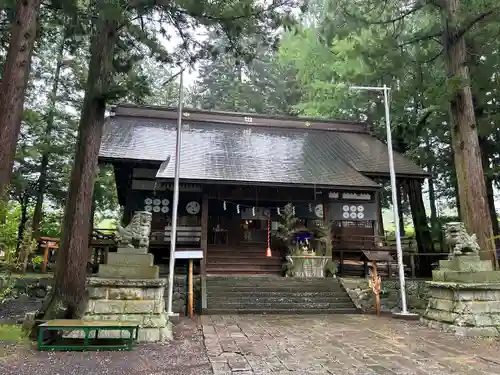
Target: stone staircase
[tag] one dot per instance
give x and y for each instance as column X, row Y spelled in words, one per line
column 276, row 295
column 246, row 259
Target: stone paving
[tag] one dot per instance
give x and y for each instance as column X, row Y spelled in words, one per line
column 341, row 344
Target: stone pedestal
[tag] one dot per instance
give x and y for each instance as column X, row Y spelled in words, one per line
column 137, row 300
column 464, row 297
column 130, row 263
column 128, row 287
column 308, row 266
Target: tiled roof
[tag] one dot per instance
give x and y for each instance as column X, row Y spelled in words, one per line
column 228, row 152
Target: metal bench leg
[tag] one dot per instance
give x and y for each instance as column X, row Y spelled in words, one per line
column 41, row 331
column 86, row 337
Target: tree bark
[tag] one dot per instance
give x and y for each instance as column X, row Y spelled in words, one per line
column 380, row 217
column 485, row 146
column 423, row 235
column 14, row 82
column 44, row 162
column 470, row 177
column 432, row 203
column 24, row 201
column 68, row 297
column 401, row 201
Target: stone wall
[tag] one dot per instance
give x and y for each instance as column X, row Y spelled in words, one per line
column 39, row 287
column 179, row 299
column 138, row 301
column 467, row 309
column 417, row 294
column 30, row 286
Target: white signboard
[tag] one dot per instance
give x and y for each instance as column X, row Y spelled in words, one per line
column 189, row 254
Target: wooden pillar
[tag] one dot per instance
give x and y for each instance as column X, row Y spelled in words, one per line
column 326, row 223
column 379, row 223
column 204, row 245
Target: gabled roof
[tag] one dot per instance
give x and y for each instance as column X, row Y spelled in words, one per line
column 215, row 147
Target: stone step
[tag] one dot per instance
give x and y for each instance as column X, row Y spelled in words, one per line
column 280, row 305
column 243, row 280
column 274, row 288
column 275, row 293
column 280, row 311
column 132, row 250
column 247, row 270
column 277, row 301
column 243, row 260
column 130, row 259
column 128, row 272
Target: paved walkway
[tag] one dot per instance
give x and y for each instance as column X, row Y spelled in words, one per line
column 185, row 355
column 341, row 345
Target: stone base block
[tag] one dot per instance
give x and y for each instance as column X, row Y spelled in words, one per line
column 464, row 308
column 466, row 263
column 445, row 275
column 132, row 250
column 128, row 272
column 132, row 300
column 120, row 259
column 102, row 306
column 461, row 330
column 155, row 334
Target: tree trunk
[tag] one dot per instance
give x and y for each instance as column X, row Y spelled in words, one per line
column 423, row 235
column 69, row 293
column 22, row 220
column 432, row 203
column 380, row 217
column 14, row 82
column 465, row 142
column 401, row 201
column 484, row 144
column 44, row 162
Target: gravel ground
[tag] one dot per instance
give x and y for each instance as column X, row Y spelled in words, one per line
column 185, row 355
column 14, row 310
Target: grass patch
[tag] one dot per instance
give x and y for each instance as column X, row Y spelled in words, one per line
column 27, row 275
column 12, row 333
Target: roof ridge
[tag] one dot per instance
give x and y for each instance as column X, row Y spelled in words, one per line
column 235, row 118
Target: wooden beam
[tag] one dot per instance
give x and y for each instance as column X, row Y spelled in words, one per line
column 204, row 245
column 326, row 222
column 246, row 119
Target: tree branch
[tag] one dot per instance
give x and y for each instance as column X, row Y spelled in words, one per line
column 419, row 5
column 469, row 24
column 421, row 38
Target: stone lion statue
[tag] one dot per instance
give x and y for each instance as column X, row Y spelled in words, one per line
column 136, row 234
column 460, row 242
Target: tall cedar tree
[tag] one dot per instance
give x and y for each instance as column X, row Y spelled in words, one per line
column 14, row 82
column 69, row 289
column 474, row 209
column 67, row 299
column 44, row 162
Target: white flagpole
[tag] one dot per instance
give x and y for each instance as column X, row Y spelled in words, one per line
column 392, row 172
column 175, row 203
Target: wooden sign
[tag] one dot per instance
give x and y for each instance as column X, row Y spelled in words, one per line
column 189, row 254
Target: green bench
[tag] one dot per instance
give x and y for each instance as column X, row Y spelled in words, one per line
column 88, row 342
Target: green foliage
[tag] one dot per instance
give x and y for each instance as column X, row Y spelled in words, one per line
column 12, row 334
column 343, row 43
column 331, row 268
column 10, row 213
column 287, row 226
column 261, row 85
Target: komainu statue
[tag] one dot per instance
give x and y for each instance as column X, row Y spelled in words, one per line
column 459, row 241
column 136, row 234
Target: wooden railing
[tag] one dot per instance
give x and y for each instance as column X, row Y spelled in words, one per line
column 354, row 252
column 101, row 242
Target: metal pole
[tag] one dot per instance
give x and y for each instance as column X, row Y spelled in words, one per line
column 175, row 203
column 395, row 202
